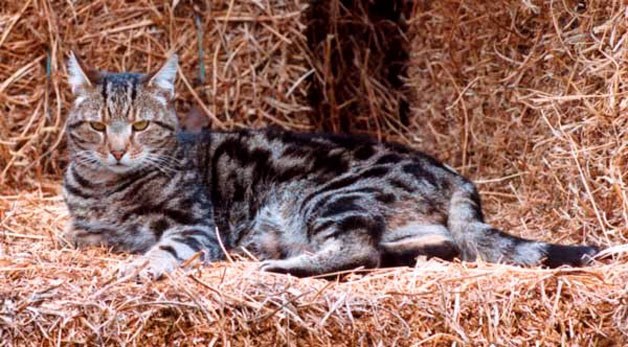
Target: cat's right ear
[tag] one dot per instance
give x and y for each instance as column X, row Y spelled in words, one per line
column 163, row 79
column 77, row 75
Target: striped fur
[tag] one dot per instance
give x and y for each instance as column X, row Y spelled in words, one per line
column 305, row 204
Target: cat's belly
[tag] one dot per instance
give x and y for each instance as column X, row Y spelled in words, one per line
column 271, row 245
column 274, row 232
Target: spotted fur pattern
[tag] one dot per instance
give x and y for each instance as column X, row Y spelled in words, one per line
column 304, row 204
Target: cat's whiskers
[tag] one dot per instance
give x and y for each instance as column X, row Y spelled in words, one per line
column 166, row 159
column 160, row 164
column 84, row 158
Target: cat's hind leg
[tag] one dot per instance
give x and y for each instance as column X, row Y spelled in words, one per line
column 478, row 240
column 337, row 231
column 401, row 246
column 339, row 253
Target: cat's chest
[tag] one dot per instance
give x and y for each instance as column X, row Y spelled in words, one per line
column 115, row 203
column 101, row 208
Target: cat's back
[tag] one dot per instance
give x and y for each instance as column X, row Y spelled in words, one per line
column 247, row 167
column 287, row 155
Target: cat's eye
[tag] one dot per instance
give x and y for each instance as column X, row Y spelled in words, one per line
column 98, row 126
column 140, row 125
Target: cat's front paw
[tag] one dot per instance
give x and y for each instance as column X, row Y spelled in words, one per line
column 149, row 267
column 66, row 238
column 77, row 238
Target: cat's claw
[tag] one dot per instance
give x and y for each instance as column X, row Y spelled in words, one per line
column 280, row 266
column 276, row 266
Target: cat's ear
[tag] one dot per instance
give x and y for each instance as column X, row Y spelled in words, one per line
column 164, row 78
column 78, row 76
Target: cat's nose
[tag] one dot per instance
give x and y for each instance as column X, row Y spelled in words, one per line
column 117, row 154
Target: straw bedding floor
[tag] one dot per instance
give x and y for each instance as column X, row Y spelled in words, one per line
column 51, row 295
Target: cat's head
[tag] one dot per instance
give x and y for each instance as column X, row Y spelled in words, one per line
column 121, row 122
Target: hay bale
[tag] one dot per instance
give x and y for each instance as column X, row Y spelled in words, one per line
column 530, row 99
column 251, row 73
column 526, row 97
column 51, row 295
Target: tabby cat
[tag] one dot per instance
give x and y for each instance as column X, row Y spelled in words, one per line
column 304, row 204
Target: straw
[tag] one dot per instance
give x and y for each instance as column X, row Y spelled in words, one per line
column 527, row 98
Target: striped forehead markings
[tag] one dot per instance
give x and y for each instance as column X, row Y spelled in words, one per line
column 103, row 92
column 134, row 82
column 105, row 115
column 119, row 92
column 133, row 85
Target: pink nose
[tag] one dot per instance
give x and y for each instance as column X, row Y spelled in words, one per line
column 118, row 154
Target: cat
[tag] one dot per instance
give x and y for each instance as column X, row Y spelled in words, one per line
column 304, row 204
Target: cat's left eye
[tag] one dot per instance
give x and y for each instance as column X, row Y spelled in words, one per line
column 98, row 126
column 140, row 125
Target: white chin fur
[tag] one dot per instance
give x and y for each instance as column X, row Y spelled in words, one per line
column 125, row 165
column 119, row 169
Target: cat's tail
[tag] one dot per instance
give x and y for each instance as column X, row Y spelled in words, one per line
column 478, row 240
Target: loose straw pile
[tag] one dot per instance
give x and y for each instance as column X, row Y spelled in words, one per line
column 243, row 63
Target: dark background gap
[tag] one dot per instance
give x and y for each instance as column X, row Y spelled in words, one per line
column 352, row 44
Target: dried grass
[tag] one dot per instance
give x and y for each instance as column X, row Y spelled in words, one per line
column 252, row 72
column 56, row 295
column 528, row 98
column 532, row 102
